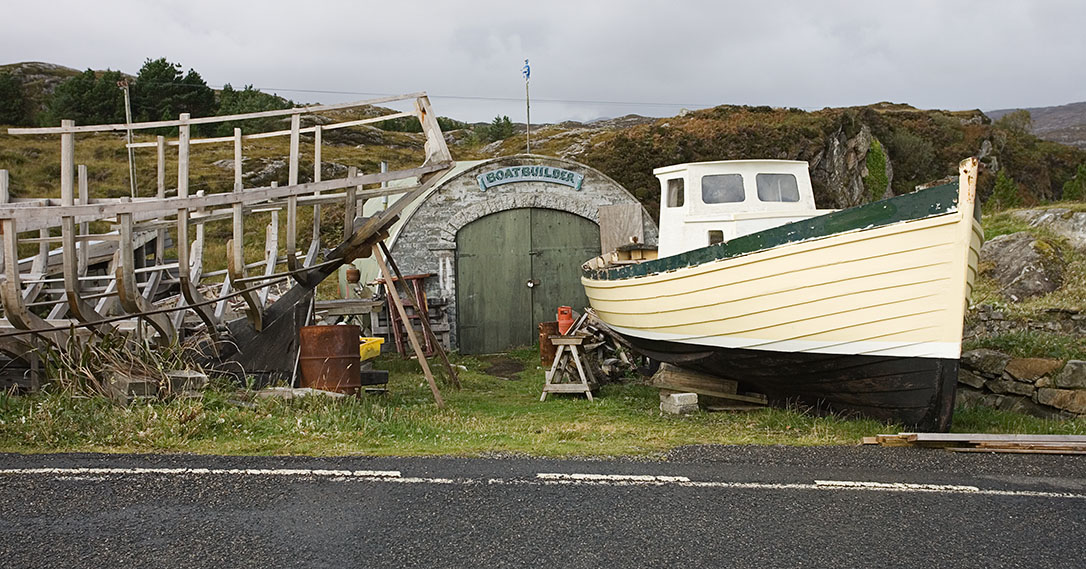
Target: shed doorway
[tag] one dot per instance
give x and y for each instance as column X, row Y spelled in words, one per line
column 514, row 269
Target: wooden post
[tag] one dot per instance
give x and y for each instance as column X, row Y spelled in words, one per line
column 238, row 160
column 160, row 193
column 292, row 201
column 84, row 198
column 424, row 318
column 69, row 253
column 5, row 197
column 349, row 204
column 185, row 269
column 315, row 243
column 410, row 330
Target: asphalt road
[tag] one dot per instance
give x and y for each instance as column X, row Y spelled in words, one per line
column 696, row 507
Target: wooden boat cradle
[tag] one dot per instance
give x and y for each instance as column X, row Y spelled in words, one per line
column 54, row 295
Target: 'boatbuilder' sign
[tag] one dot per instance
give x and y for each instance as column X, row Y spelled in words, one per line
column 501, row 176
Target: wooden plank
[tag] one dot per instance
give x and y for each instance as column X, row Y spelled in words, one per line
column 424, row 319
column 238, row 160
column 436, row 150
column 1014, row 450
column 410, row 331
column 213, row 120
column 84, row 227
column 567, row 388
column 620, row 224
column 349, row 203
column 674, row 375
column 277, row 133
column 314, row 246
column 99, row 209
column 292, row 201
column 271, row 254
column 986, row 437
column 5, row 197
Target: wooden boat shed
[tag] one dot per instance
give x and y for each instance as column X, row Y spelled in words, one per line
column 504, row 240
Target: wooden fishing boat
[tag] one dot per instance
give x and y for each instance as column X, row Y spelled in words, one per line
column 854, row 311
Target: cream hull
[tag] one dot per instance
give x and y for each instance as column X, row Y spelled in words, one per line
column 885, row 301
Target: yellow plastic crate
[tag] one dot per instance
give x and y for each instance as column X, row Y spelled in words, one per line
column 369, row 348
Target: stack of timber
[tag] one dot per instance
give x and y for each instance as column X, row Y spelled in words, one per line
column 101, row 266
column 715, row 393
column 607, row 353
column 975, row 442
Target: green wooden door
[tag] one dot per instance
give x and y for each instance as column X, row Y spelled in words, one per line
column 498, row 255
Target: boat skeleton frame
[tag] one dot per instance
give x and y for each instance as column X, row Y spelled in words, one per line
column 99, row 282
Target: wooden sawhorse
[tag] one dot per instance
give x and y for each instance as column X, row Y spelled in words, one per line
column 569, row 348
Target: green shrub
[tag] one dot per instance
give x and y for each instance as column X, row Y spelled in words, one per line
column 876, row 181
column 1005, row 194
column 1075, row 188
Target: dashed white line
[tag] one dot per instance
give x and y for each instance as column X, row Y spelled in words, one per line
column 547, row 478
column 646, row 478
column 384, row 474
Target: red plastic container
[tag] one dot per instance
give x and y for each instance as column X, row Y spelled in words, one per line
column 565, row 319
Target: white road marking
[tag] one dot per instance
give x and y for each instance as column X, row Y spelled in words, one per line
column 545, row 479
column 649, row 478
column 895, row 486
column 382, row 474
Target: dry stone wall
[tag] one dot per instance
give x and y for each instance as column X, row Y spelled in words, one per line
column 1042, row 387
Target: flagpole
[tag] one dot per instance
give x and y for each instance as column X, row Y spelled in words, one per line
column 527, row 107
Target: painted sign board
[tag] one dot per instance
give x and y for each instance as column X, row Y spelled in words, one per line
column 512, row 174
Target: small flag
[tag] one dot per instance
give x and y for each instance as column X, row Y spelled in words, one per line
column 526, row 70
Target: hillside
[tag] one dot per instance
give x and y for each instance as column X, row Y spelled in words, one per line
column 1065, row 124
column 856, row 154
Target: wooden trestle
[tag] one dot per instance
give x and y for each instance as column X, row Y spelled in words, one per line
column 98, row 282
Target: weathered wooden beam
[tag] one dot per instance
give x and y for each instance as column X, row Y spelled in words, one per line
column 212, row 120
column 315, row 241
column 277, row 133
column 292, row 201
column 424, row 319
column 271, row 253
column 407, row 325
column 189, row 292
column 100, row 209
column 128, row 293
column 78, row 307
column 350, row 199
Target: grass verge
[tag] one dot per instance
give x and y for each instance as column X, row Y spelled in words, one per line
column 490, row 415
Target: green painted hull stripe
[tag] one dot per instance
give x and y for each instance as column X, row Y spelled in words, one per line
column 930, row 202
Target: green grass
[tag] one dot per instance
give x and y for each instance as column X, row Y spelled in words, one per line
column 1033, row 344
column 489, row 415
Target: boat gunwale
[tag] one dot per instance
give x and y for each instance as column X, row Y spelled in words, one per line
column 922, row 204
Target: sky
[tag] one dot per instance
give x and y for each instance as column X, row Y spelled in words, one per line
column 589, row 58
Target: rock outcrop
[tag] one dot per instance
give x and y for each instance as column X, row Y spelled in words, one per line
column 842, row 166
column 1070, row 225
column 1025, row 266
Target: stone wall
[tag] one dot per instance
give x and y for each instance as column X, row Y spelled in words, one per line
column 1041, row 387
column 989, row 320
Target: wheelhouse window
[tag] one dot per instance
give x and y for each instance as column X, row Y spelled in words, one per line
column 675, row 197
column 777, row 188
column 722, row 188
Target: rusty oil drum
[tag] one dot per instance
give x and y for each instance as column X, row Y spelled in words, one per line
column 329, row 358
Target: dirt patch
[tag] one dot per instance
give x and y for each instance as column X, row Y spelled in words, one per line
column 503, row 367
